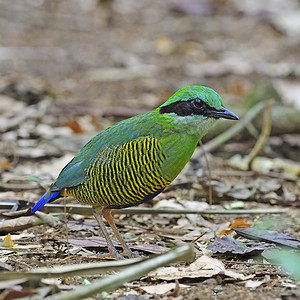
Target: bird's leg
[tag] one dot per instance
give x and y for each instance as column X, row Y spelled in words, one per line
column 106, row 213
column 97, row 212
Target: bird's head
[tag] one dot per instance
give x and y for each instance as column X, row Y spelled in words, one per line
column 197, row 100
column 196, row 108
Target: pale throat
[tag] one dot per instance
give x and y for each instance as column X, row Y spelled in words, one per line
column 194, row 125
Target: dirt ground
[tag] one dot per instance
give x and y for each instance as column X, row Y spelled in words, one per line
column 69, row 69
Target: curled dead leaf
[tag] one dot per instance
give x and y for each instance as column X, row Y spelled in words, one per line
column 203, row 267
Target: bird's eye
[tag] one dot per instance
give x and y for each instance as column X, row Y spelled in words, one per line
column 198, row 102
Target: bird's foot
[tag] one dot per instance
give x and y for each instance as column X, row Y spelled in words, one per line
column 111, row 255
column 115, row 254
column 130, row 254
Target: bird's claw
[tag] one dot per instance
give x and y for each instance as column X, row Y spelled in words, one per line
column 111, row 255
column 130, row 254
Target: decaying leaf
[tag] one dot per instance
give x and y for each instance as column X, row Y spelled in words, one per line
column 229, row 246
column 253, row 284
column 279, row 238
column 203, row 267
column 238, row 223
column 160, row 289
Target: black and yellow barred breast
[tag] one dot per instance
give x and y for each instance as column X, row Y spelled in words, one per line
column 123, row 175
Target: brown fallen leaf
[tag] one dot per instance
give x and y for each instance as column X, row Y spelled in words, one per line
column 75, row 126
column 238, row 223
column 4, row 164
column 17, row 291
column 204, row 266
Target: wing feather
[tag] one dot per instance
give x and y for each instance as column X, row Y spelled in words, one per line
column 74, row 173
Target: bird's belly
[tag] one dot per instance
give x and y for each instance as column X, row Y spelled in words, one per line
column 118, row 195
column 124, row 175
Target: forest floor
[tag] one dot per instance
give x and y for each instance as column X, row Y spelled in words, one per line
column 70, row 69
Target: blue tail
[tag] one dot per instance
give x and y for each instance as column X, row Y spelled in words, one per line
column 45, row 198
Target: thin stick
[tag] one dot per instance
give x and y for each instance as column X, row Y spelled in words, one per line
column 210, row 198
column 201, row 212
column 86, row 210
column 66, row 229
column 198, row 237
column 265, row 133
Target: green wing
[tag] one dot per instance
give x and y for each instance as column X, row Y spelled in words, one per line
column 74, row 173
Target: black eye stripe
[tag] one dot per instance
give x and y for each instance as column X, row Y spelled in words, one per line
column 186, row 108
column 180, row 108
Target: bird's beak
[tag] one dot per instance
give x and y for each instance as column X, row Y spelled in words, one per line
column 224, row 113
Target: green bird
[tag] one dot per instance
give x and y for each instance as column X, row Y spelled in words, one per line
column 136, row 159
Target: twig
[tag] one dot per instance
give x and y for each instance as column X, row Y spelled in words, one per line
column 198, row 237
column 265, row 133
column 66, row 230
column 210, row 192
column 133, row 211
column 86, row 210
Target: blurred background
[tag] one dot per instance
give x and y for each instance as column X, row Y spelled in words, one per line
column 136, row 53
column 70, row 68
